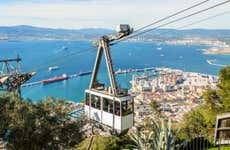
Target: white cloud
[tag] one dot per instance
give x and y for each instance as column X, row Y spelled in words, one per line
column 91, row 13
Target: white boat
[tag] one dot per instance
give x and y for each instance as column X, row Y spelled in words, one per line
column 53, row 68
column 159, row 48
column 162, row 55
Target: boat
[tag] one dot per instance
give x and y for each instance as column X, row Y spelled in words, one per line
column 84, row 73
column 51, row 80
column 53, row 68
column 162, row 55
column 65, row 48
column 159, row 48
column 119, row 71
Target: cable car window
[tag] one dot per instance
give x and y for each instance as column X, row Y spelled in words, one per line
column 117, row 108
column 224, row 123
column 95, row 101
column 127, row 107
column 87, row 98
column 108, row 105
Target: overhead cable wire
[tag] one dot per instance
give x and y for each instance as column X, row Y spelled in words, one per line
column 173, row 15
column 165, row 18
column 65, row 58
column 170, row 22
column 205, row 19
column 200, row 21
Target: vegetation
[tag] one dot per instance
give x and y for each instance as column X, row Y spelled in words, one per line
column 159, row 136
column 101, row 143
column 153, row 105
column 45, row 124
column 198, row 125
column 41, row 125
column 201, row 121
column 222, row 148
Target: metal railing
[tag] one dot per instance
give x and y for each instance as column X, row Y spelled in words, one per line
column 200, row 143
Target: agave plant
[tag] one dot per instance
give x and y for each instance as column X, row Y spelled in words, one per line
column 164, row 138
column 141, row 139
column 159, row 137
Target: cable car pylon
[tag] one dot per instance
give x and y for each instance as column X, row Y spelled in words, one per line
column 11, row 75
column 111, row 106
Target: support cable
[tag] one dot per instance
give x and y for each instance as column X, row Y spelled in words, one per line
column 173, row 15
column 173, row 21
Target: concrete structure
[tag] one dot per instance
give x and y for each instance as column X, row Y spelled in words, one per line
column 222, row 131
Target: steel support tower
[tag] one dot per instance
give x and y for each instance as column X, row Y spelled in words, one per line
column 11, row 75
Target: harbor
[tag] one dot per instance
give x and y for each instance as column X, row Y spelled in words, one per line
column 66, row 77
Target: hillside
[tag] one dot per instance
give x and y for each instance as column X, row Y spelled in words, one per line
column 24, row 32
column 32, row 33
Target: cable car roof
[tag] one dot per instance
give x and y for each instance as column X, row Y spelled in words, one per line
column 105, row 95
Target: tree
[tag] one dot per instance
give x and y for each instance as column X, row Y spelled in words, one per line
column 223, row 90
column 201, row 121
column 193, row 125
column 41, row 125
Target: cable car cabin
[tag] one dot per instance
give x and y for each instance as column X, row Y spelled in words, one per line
column 115, row 112
column 111, row 106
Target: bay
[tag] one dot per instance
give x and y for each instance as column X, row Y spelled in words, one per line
column 78, row 56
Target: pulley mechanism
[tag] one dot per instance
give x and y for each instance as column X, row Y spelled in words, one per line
column 11, row 75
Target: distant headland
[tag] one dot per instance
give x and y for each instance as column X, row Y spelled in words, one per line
column 218, row 39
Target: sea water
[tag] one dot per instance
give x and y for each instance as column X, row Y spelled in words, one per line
column 74, row 57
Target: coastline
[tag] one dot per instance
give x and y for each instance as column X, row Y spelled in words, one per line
column 218, row 51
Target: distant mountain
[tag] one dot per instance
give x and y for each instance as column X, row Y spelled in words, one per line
column 24, row 32
column 167, row 34
column 30, row 32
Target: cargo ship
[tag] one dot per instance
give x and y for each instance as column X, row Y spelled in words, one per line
column 56, row 79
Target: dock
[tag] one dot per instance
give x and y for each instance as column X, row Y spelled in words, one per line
column 120, row 71
column 31, row 84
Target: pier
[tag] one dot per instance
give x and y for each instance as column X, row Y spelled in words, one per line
column 120, row 71
column 31, row 84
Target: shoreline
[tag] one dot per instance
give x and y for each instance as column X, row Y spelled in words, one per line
column 217, row 51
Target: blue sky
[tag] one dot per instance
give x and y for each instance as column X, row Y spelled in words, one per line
column 75, row 14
